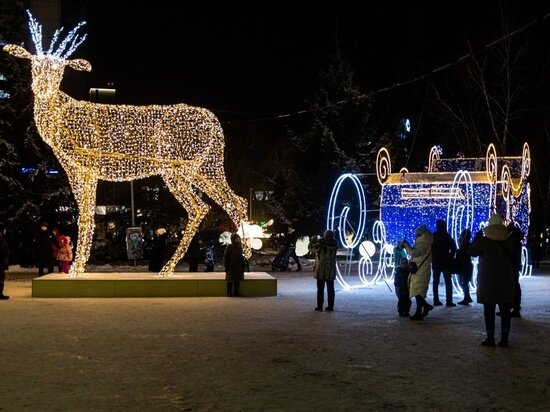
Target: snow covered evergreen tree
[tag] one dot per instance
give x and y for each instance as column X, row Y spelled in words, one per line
column 340, row 137
column 32, row 185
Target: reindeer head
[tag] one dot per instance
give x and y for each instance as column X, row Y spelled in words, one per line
column 48, row 67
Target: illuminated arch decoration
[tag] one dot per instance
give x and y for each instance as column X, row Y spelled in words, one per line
column 342, row 218
column 183, row 144
column 462, row 191
column 339, row 221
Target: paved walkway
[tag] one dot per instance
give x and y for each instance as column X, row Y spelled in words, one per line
column 272, row 354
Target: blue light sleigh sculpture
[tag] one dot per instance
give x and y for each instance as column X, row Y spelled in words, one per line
column 462, row 191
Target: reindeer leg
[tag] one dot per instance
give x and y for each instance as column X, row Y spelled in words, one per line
column 196, row 209
column 84, row 189
column 235, row 206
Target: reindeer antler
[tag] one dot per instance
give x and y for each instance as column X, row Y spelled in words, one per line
column 65, row 48
column 72, row 40
column 36, row 33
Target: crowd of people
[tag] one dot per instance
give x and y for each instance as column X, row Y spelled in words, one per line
column 497, row 246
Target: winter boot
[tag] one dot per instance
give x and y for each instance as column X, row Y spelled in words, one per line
column 236, row 285
column 490, row 341
column 419, row 306
column 504, row 339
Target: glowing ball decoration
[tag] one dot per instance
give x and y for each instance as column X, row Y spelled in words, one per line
column 183, row 144
column 462, row 191
column 255, row 243
column 302, row 246
column 367, row 248
column 248, row 231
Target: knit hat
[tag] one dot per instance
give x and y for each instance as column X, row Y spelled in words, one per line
column 495, row 229
column 495, row 219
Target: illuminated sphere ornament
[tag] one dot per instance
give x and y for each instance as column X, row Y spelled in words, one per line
column 302, row 246
column 183, row 144
column 367, row 248
column 255, row 243
column 247, row 231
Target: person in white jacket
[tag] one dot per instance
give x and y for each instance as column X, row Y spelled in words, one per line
column 421, row 254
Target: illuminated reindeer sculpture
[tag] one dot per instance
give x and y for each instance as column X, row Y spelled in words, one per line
column 181, row 143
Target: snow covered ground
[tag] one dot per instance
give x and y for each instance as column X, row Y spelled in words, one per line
column 270, row 354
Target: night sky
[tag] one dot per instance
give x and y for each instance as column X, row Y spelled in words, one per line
column 251, row 61
column 248, row 65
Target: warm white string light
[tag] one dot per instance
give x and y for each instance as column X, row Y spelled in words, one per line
column 181, row 143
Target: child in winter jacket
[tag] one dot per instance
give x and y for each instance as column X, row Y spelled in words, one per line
column 401, row 283
column 65, row 255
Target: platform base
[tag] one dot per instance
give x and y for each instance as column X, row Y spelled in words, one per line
column 110, row 285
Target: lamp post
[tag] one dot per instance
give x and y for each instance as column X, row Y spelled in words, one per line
column 250, row 204
column 132, row 203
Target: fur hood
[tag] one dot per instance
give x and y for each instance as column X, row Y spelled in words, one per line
column 426, row 237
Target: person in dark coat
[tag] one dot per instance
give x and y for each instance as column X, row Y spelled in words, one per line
column 234, row 263
column 194, row 253
column 495, row 277
column 401, row 283
column 443, row 252
column 324, row 268
column 158, row 251
column 464, row 265
column 45, row 243
column 516, row 235
column 4, row 260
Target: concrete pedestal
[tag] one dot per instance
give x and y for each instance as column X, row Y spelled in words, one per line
column 100, row 285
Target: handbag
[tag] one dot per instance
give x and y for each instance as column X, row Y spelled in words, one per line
column 413, row 267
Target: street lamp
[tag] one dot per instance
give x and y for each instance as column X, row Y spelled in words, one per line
column 250, row 204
